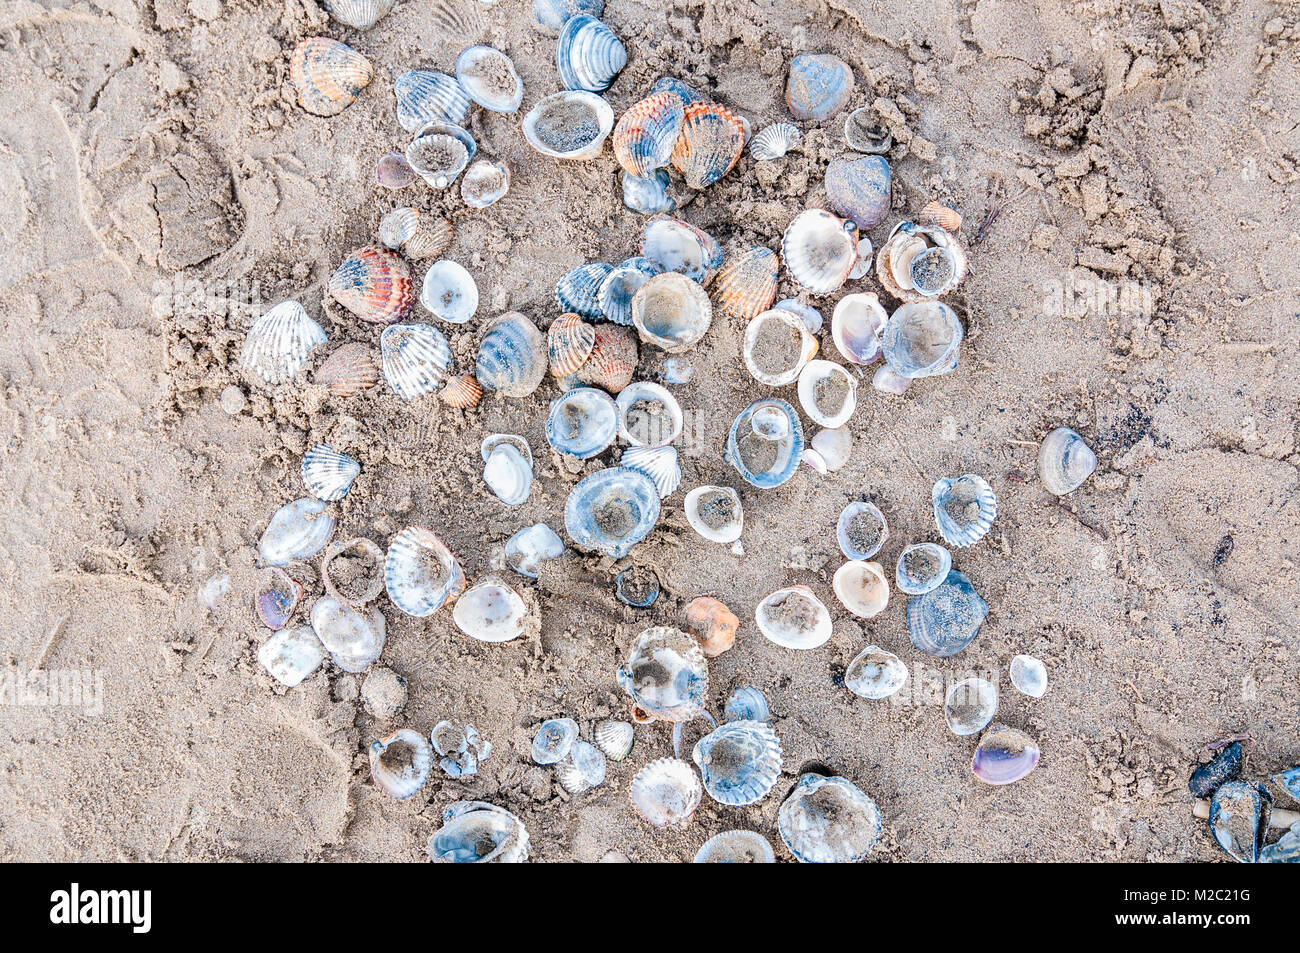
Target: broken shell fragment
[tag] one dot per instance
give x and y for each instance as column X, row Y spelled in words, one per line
column 420, row 573
column 416, row 359
column 857, row 324
column 493, row 611
column 713, row 625
column 920, row 262
column 820, row 250
column 715, row 513
column 658, row 463
column 1223, row 767
column 374, row 284
column 290, row 655
column 666, row 792
column 746, row 286
column 672, row 312
column 862, row 588
column 489, row 78
column 350, row 370
column 569, row 125
column 776, row 347
column 507, row 467
column 354, row 636
column 1004, row 755
column 946, row 619
column 922, row 567
column 819, row 86
column 970, row 705
column 327, row 75
column 964, row 509
column 582, row 423
column 531, row 546
column 328, row 474
column 279, row 344
column 460, row 748
column 449, row 292
column 1064, row 461
column 747, row 704
column 875, row 673
column 551, row 15
column 611, row 510
column 475, row 832
column 794, row 618
column 834, row 447
column 583, row 769
column 1029, row 677
column 358, row 575
column 665, row 674
column 828, row 393
column 648, row 415
column 736, row 847
column 766, row 443
column 648, row 194
column 863, row 133
column 828, row 820
column 615, row 738
column 860, row 189
column 297, row 531
column 774, row 141
column 400, row 763
column 739, row 762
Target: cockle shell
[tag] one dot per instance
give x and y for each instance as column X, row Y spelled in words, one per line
column 425, row 96
column 348, row 371
column 290, row 655
column 279, row 344
column 1004, row 755
column 401, row 762
column 1029, row 677
column 819, row 250
column 774, row 141
column 735, row 847
column 297, row 531
column 715, row 513
column 493, row 611
column 416, row 359
column 746, row 286
column 578, row 291
column 1064, row 461
column 359, row 14
column 946, row 619
column 277, row 598
column 415, row 234
column 569, row 342
column 648, row 415
column 765, row 443
column 588, row 55
column 828, row 393
column 666, row 792
column 857, row 324
column 828, row 820
column 665, row 674
column 621, row 285
column 922, row 567
column 461, row 392
column 964, row 509
column 531, row 546
column 327, row 473
column 669, row 84
column 569, row 125
column 861, row 530
column 747, row 704
column 680, row 247
column 374, row 284
column 739, row 762
column 440, row 127
column 363, row 578
column 646, row 135
column 970, row 705
column 397, row 226
column 489, row 78
column 776, row 347
column 485, row 183
column 512, row 356
column 862, row 588
column 551, row 15
column 920, row 262
column 794, row 618
column 936, row 213
column 553, row 740
column 583, row 769
column 863, row 132
column 449, row 292
column 420, row 573
column 658, row 463
column 612, row 361
column 672, row 312
column 353, row 635
column 394, row 172
column 875, row 673
column 327, row 75
column 711, row 141
column 819, row 86
column 922, row 340
column 648, row 194
column 713, row 625
column 860, row 189
column 582, row 423
column 611, row 510
column 508, row 467
column 438, row 158
column 475, row 832
column 615, row 738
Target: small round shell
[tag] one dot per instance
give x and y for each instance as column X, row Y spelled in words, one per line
column 736, row 847
column 401, row 762
column 828, row 393
column 553, row 740
column 569, row 125
column 964, row 509
column 449, row 292
column 416, row 359
column 512, row 357
column 946, row 619
column 863, row 132
column 374, row 284
column 713, row 625
column 861, row 588
column 648, row 194
column 860, row 189
column 819, row 250
column 646, row 135
column 774, row 141
column 588, row 55
column 279, row 344
column 583, row 769
column 922, row 567
column 715, row 513
column 327, row 473
column 861, row 530
column 582, row 423
column 394, row 172
column 666, row 792
column 491, row 610
column 431, row 239
column 1064, row 461
column 739, row 762
column 672, row 312
column 327, row 75
column 709, row 145
column 747, row 704
column 484, row 183
column 1029, row 676
column 680, row 247
column 945, row 217
column 397, row 226
column 277, row 598
column 420, row 573
column 1006, row 755
column 922, row 340
column 745, row 287
column 353, row 635
column 649, row 415
column 920, row 262
column 359, row 14
column 857, row 323
column 970, row 705
column 818, row 87
column 489, row 78
column 875, row 673
column 777, row 346
column 531, row 546
column 437, row 158
column 615, row 738
column 508, row 467
column 794, row 618
column 461, row 392
column 569, row 342
column 425, row 96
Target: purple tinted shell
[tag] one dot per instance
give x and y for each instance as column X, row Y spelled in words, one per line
column 1004, row 756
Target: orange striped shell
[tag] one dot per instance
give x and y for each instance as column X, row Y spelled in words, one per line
column 613, row 359
column 327, row 75
column 646, row 135
column 569, row 341
column 462, row 391
column 746, row 285
column 936, row 213
column 374, row 284
column 711, row 141
column 349, row 370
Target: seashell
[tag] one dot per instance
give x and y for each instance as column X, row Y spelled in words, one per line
column 359, row 14
column 936, row 213
column 862, row 588
column 739, row 762
column 747, row 704
column 875, row 673
column 1239, row 813
column 861, row 530
column 438, row 158
column 363, row 577
column 819, row 86
column 430, row 239
column 680, row 247
column 394, row 172
column 279, row 344
column 327, row 473
column 1064, row 461
column 711, row 141
column 765, row 443
column 862, row 132
column 438, row 127
column 1286, row 850
column 828, row 393
column 508, row 467
column 687, row 94
column 1029, row 677
column 461, row 392
column 582, row 423
column 511, row 356
column 297, row 531
column 551, row 15
column 970, row 705
column 637, row 587
column 569, row 125
column 484, row 183
column 860, row 190
column 920, row 262
column 794, row 618
column 489, row 78
column 583, row 769
column 672, row 312
column 420, row 573
column 353, row 636
column 666, row 792
column 833, row 446
column 612, row 361
column 277, row 598
column 964, row 508
column 665, row 674
column 648, row 195
column 1225, row 766
column 493, row 611
column 614, row 738
column 449, row 292
column 819, row 250
column 425, row 96
column 715, row 513
column 647, row 134
column 887, row 382
column 648, row 415
column 658, row 463
column 922, row 567
column 374, row 284
column 810, row 316
column 774, row 141
column 569, row 342
column 461, row 748
column 922, row 340
column 611, row 510
column 327, row 75
column 383, row 692
column 828, row 820
column 397, row 226
column 621, row 285
column 862, row 264
column 416, row 359
column 401, row 763
column 857, row 323
column 588, row 55
column 1004, row 755
column 946, row 619
column 290, row 655
column 746, row 287
column 777, row 346
column 528, row 548
column 578, row 292
column 475, row 832
column 735, row 847
column 553, row 740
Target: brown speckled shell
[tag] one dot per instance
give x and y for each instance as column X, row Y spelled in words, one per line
column 462, row 392
column 327, row 75
column 569, row 341
column 374, row 284
column 349, row 370
column 746, row 285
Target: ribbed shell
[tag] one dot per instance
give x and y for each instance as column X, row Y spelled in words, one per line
column 666, row 792
column 774, row 141
column 819, row 250
column 420, row 573
column 658, row 463
column 551, row 15
column 374, row 284
column 579, row 290
column 746, row 286
column 512, row 356
column 279, row 343
column 646, row 135
column 946, row 619
column 327, row 473
column 425, row 96
column 612, row 362
column 461, row 392
column 416, row 359
column 936, row 213
column 588, row 55
column 964, row 491
column 711, row 140
column 397, row 226
column 622, row 284
column 828, row 820
column 484, row 183
column 614, row 738
column 569, row 342
column 739, row 762
column 359, row 14
column 438, row 157
column 489, row 78
column 327, row 75
column 431, row 239
column 349, row 370
column 819, row 86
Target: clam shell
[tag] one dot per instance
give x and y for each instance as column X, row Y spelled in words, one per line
column 612, row 361
column 578, row 292
column 828, row 820
column 475, row 832
column 1029, row 677
column 374, row 284
column 327, row 473
column 394, row 172
column 588, row 55
column 551, row 15
column 569, row 342
column 611, row 510
column 492, row 611
column 512, row 356
column 711, row 141
column 649, row 194
column 461, row 392
column 777, row 347
column 714, row 627
column 810, row 316
column 861, row 530
column 416, row 359
column 582, row 423
column 359, row 14
column 857, row 324
column 672, row 312
column 420, row 573
column 648, row 415
column 887, row 382
column 1064, row 461
column 397, row 226
column 828, row 393
column 569, row 125
column 964, row 509
column 920, row 262
column 278, row 595
column 793, row 618
column 646, row 135
column 327, row 75
column 290, row 655
column 680, row 247
column 637, row 587
column 746, row 286
column 970, row 705
column 946, row 619
column 747, row 704
column 279, row 344
column 774, row 141
column 864, row 133
column 425, row 96
column 739, row 762
column 1004, row 755
column 922, row 567
column 400, row 763
column 665, row 674
column 485, row 183
column 862, row 588
column 583, row 769
column 615, row 738
column 354, row 636
column 531, row 546
column 875, row 673
column 553, row 740
column 666, row 792
column 364, row 583
column 735, row 847
column 449, row 292
column 769, row 459
column 658, row 463
column 621, row 285
column 489, row 78
column 715, row 513
column 922, row 340
column 819, row 250
column 508, row 468
column 438, row 158
column 819, row 86
column 860, row 189
column 834, row 447
column 297, row 531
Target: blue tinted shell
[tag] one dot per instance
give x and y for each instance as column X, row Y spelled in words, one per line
column 739, row 762
column 1239, row 819
column 743, row 447
column 582, row 423
column 611, row 511
column 512, row 358
column 553, row 740
column 964, row 509
column 426, row 96
column 922, row 339
column 922, row 567
column 578, row 292
column 828, row 820
column 588, row 55
column 689, row 94
column 819, row 85
column 648, row 195
column 747, row 704
column 621, row 283
column 475, row 832
column 946, row 619
column 551, row 15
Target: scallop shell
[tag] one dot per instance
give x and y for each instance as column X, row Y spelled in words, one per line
column 777, row 346
column 680, row 247
column 569, row 125
column 569, row 342
column 461, row 392
column 449, row 292
column 828, row 820
column 860, row 189
column 365, row 582
column 493, row 611
column 672, row 312
column 290, row 655
column 612, row 361
column 553, row 740
column 588, row 55
column 735, row 847
column 765, row 434
column 475, row 832
column 512, row 356
column 646, row 135
column 710, row 143
column 431, row 238
column 861, row 530
column 658, row 463
column 920, row 262
column 1006, row 755
column 861, row 588
column 1029, row 676
column 715, row 513
column 354, row 636
column 359, row 14
column 936, row 213
column 666, row 792
column 747, row 704
column 621, row 285
column 508, row 467
column 922, row 340
column 400, row 763
column 327, row 473
column 416, row 359
column 420, row 573
column 438, row 158
column 485, row 183
column 611, row 510
column 793, row 618
column 857, row 324
column 578, row 292
column 277, row 599
column 615, row 738
column 394, row 172
column 828, row 393
column 970, row 705
column 583, row 770
column 964, row 508
column 819, row 250
column 297, row 531
column 746, row 286
column 922, row 567
column 946, row 619
column 864, row 133
column 279, row 344
column 665, row 674
column 774, row 141
column 713, row 625
column 582, row 423
column 819, row 86
column 739, row 762
column 531, row 546
column 875, row 673
column 439, row 127
column 551, row 15
column 425, row 96
column 327, row 75
column 489, row 78
column 374, row 284
column 397, row 226
column 1064, row 461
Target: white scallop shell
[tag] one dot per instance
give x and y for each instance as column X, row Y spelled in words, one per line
column 420, row 573
column 819, row 250
column 817, row 374
column 666, row 792
column 794, row 618
column 416, row 359
column 328, row 473
column 774, row 141
column 583, row 769
column 658, row 463
column 491, row 611
column 485, row 182
column 298, row 530
column 449, row 292
column 729, row 531
column 614, row 738
column 425, row 96
column 790, row 323
column 359, row 14
column 862, row 588
column 279, row 343
column 508, row 467
column 438, row 158
column 403, row 776
column 642, row 429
